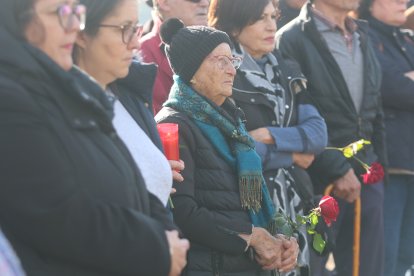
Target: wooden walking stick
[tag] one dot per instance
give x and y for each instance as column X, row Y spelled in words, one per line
column 357, row 231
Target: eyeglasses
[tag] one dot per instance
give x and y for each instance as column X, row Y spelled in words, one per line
column 67, row 14
column 224, row 61
column 129, row 31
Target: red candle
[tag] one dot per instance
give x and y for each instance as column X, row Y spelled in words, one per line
column 169, row 138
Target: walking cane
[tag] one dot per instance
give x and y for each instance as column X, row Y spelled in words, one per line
column 357, row 231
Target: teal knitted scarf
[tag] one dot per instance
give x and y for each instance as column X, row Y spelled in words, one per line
column 231, row 139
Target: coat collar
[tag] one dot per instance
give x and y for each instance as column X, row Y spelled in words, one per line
column 140, row 80
column 385, row 29
column 77, row 96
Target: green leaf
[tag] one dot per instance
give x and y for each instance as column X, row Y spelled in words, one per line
column 280, row 221
column 300, row 219
column 311, row 231
column 318, row 243
column 285, row 230
column 314, row 219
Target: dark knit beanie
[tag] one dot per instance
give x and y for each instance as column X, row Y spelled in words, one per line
column 187, row 47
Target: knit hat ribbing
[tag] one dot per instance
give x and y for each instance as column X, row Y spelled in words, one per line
column 187, row 47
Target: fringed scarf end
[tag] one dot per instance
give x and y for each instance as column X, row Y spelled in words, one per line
column 251, row 192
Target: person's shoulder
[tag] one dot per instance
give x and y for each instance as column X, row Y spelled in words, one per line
column 171, row 115
column 293, row 26
column 14, row 96
column 150, row 40
column 150, row 48
column 292, row 31
column 143, row 69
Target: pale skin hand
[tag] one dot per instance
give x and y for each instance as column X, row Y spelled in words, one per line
column 268, row 248
column 290, row 253
column 302, row 160
column 176, row 167
column 347, row 187
column 178, row 252
column 262, row 135
column 410, row 75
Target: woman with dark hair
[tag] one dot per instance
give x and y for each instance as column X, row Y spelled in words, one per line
column 105, row 50
column 223, row 205
column 287, row 129
column 394, row 48
column 72, row 201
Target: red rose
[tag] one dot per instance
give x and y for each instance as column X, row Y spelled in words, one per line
column 329, row 209
column 374, row 174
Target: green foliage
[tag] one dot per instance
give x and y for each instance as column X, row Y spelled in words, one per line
column 313, row 219
column 353, row 148
column 287, row 227
column 318, row 243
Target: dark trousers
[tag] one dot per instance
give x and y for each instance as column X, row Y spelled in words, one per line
column 399, row 225
column 371, row 262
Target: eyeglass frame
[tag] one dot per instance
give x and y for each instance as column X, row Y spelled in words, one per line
column 138, row 30
column 229, row 61
column 58, row 11
column 78, row 11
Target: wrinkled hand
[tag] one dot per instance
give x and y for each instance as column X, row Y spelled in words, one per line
column 268, row 249
column 178, row 252
column 262, row 135
column 302, row 160
column 347, row 187
column 177, row 167
column 290, row 253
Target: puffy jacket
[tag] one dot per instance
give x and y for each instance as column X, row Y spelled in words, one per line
column 207, row 205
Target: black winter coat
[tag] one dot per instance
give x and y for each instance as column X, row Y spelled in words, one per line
column 301, row 40
column 207, row 205
column 72, row 201
column 135, row 94
column 395, row 51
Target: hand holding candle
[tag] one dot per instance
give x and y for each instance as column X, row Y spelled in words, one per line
column 169, row 138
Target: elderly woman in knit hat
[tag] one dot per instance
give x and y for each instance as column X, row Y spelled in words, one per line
column 222, row 206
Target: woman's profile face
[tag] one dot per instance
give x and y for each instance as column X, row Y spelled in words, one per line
column 214, row 78
column 258, row 39
column 107, row 55
column 390, row 12
column 53, row 29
